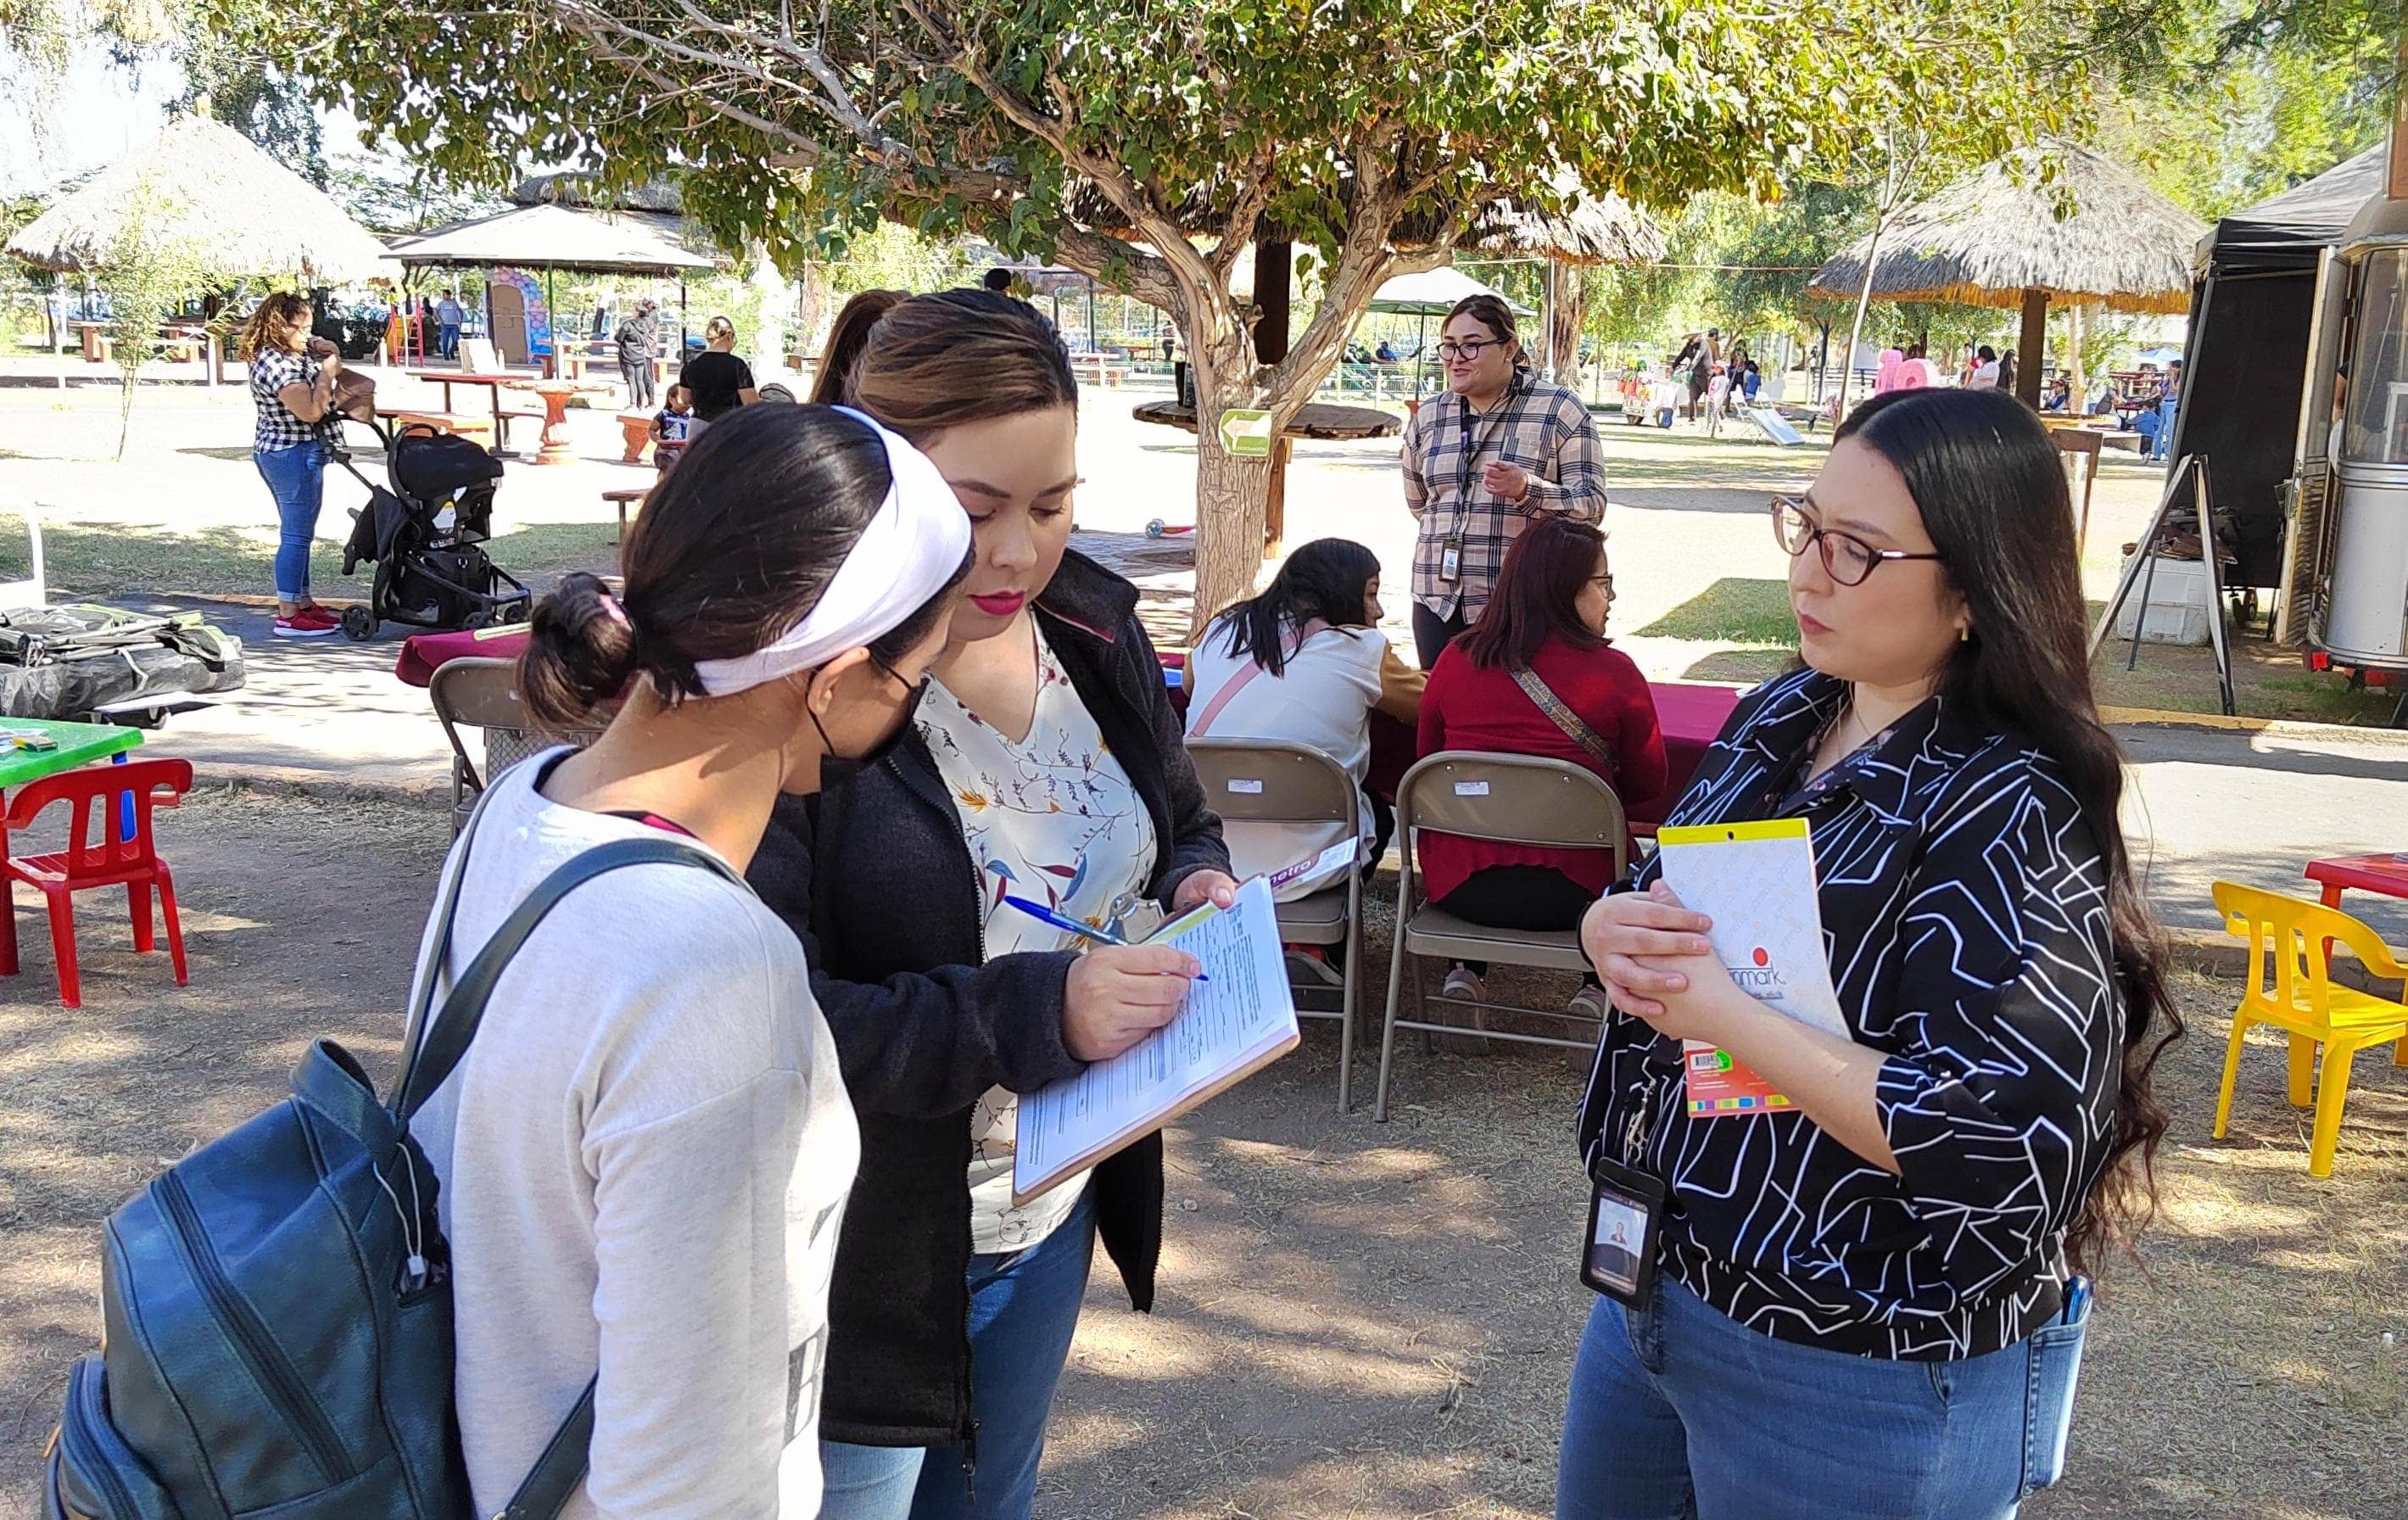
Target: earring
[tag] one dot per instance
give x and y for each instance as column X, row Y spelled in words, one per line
column 1965, row 633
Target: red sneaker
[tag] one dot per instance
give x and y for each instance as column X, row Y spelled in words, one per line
column 302, row 625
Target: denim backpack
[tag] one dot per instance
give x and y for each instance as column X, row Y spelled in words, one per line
column 277, row 1306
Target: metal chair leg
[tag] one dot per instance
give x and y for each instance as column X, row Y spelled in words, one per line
column 1395, row 987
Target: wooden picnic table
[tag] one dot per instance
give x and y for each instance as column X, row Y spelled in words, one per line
column 492, row 384
column 1315, row 419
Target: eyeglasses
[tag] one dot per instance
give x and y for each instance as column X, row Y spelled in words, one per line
column 1846, row 558
column 1451, row 350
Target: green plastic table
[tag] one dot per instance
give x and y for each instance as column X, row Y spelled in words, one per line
column 79, row 744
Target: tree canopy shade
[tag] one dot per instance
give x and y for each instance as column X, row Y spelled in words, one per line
column 1149, row 142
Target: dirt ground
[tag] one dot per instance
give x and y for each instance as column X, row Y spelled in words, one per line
column 1355, row 1321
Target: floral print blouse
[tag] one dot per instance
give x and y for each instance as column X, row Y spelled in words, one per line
column 1050, row 817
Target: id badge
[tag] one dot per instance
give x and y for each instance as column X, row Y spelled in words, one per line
column 1625, row 1213
column 1450, row 563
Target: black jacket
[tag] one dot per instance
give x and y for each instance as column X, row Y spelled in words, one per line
column 878, row 881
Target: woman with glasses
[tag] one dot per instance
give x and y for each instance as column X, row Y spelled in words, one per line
column 1493, row 453
column 1887, row 1273
column 1536, row 675
column 1046, row 765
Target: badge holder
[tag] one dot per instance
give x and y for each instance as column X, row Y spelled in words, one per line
column 1450, row 562
column 1626, row 1221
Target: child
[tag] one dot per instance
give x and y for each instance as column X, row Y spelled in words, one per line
column 674, row 426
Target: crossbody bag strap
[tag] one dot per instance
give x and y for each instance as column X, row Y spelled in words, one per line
column 1202, row 725
column 1563, row 717
column 448, row 1040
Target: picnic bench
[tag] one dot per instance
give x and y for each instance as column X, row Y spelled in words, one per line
column 635, row 429
column 441, row 422
column 620, row 497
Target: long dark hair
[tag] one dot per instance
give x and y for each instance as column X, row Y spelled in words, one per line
column 833, row 384
column 1327, row 579
column 1993, row 497
column 1534, row 598
column 733, row 548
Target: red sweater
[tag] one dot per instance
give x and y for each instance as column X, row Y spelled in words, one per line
column 1468, row 708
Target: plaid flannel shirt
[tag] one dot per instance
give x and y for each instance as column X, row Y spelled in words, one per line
column 1544, row 428
column 278, row 427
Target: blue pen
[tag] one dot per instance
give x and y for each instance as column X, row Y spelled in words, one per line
column 1043, row 915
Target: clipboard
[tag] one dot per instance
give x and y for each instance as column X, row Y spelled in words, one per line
column 1230, row 1027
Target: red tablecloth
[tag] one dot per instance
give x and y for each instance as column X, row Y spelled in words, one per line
column 1692, row 714
column 422, row 652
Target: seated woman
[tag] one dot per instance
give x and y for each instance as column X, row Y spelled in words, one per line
column 1546, row 619
column 1314, row 632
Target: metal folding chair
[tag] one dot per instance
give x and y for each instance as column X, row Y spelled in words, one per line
column 484, row 695
column 1505, row 799
column 1257, row 784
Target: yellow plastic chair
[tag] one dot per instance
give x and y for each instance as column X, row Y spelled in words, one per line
column 2301, row 999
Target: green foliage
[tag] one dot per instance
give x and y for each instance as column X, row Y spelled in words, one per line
column 382, row 197
column 148, row 275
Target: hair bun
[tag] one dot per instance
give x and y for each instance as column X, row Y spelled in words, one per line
column 580, row 653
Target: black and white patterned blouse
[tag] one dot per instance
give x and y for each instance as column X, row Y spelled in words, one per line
column 1965, row 915
column 278, row 429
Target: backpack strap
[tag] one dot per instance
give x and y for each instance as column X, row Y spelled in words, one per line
column 447, row 1041
column 557, row 1473
column 1574, row 727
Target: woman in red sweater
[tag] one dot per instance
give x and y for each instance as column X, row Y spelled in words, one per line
column 1547, row 616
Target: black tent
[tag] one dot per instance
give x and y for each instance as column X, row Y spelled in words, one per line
column 2253, row 304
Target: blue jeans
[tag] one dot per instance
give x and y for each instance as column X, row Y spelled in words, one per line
column 2163, row 443
column 1024, row 1308
column 1679, row 1411
column 296, row 476
column 448, row 339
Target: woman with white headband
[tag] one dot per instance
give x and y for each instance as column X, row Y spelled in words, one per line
column 1048, row 764
column 644, row 1154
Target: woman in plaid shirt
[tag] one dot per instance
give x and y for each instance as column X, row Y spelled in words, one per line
column 293, row 389
column 1497, row 451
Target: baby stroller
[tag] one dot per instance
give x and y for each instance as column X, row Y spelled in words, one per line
column 426, row 536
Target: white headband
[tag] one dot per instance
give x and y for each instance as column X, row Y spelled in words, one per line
column 915, row 543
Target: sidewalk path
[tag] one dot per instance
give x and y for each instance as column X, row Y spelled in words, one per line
column 2251, row 806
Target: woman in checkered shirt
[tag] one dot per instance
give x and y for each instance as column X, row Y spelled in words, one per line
column 1497, row 450
column 294, row 392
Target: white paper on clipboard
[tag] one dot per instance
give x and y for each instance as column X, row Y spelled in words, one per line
column 1237, row 1020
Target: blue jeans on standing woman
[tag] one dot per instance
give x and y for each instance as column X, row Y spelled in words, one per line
column 1679, row 1411
column 1023, row 1309
column 296, row 476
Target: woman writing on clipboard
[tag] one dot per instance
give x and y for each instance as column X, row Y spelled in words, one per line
column 1887, row 1276
column 1046, row 764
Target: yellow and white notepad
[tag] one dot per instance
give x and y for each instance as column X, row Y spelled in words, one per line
column 1237, row 1021
column 1757, row 881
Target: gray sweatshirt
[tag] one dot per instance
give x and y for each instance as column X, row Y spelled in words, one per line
column 643, row 1161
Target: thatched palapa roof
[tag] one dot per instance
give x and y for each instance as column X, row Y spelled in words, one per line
column 1591, row 229
column 1998, row 232
column 215, row 187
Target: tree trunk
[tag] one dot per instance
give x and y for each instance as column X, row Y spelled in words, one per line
column 1231, row 495
column 2031, row 347
column 1857, row 331
column 1570, row 310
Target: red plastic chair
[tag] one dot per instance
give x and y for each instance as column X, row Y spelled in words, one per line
column 133, row 863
